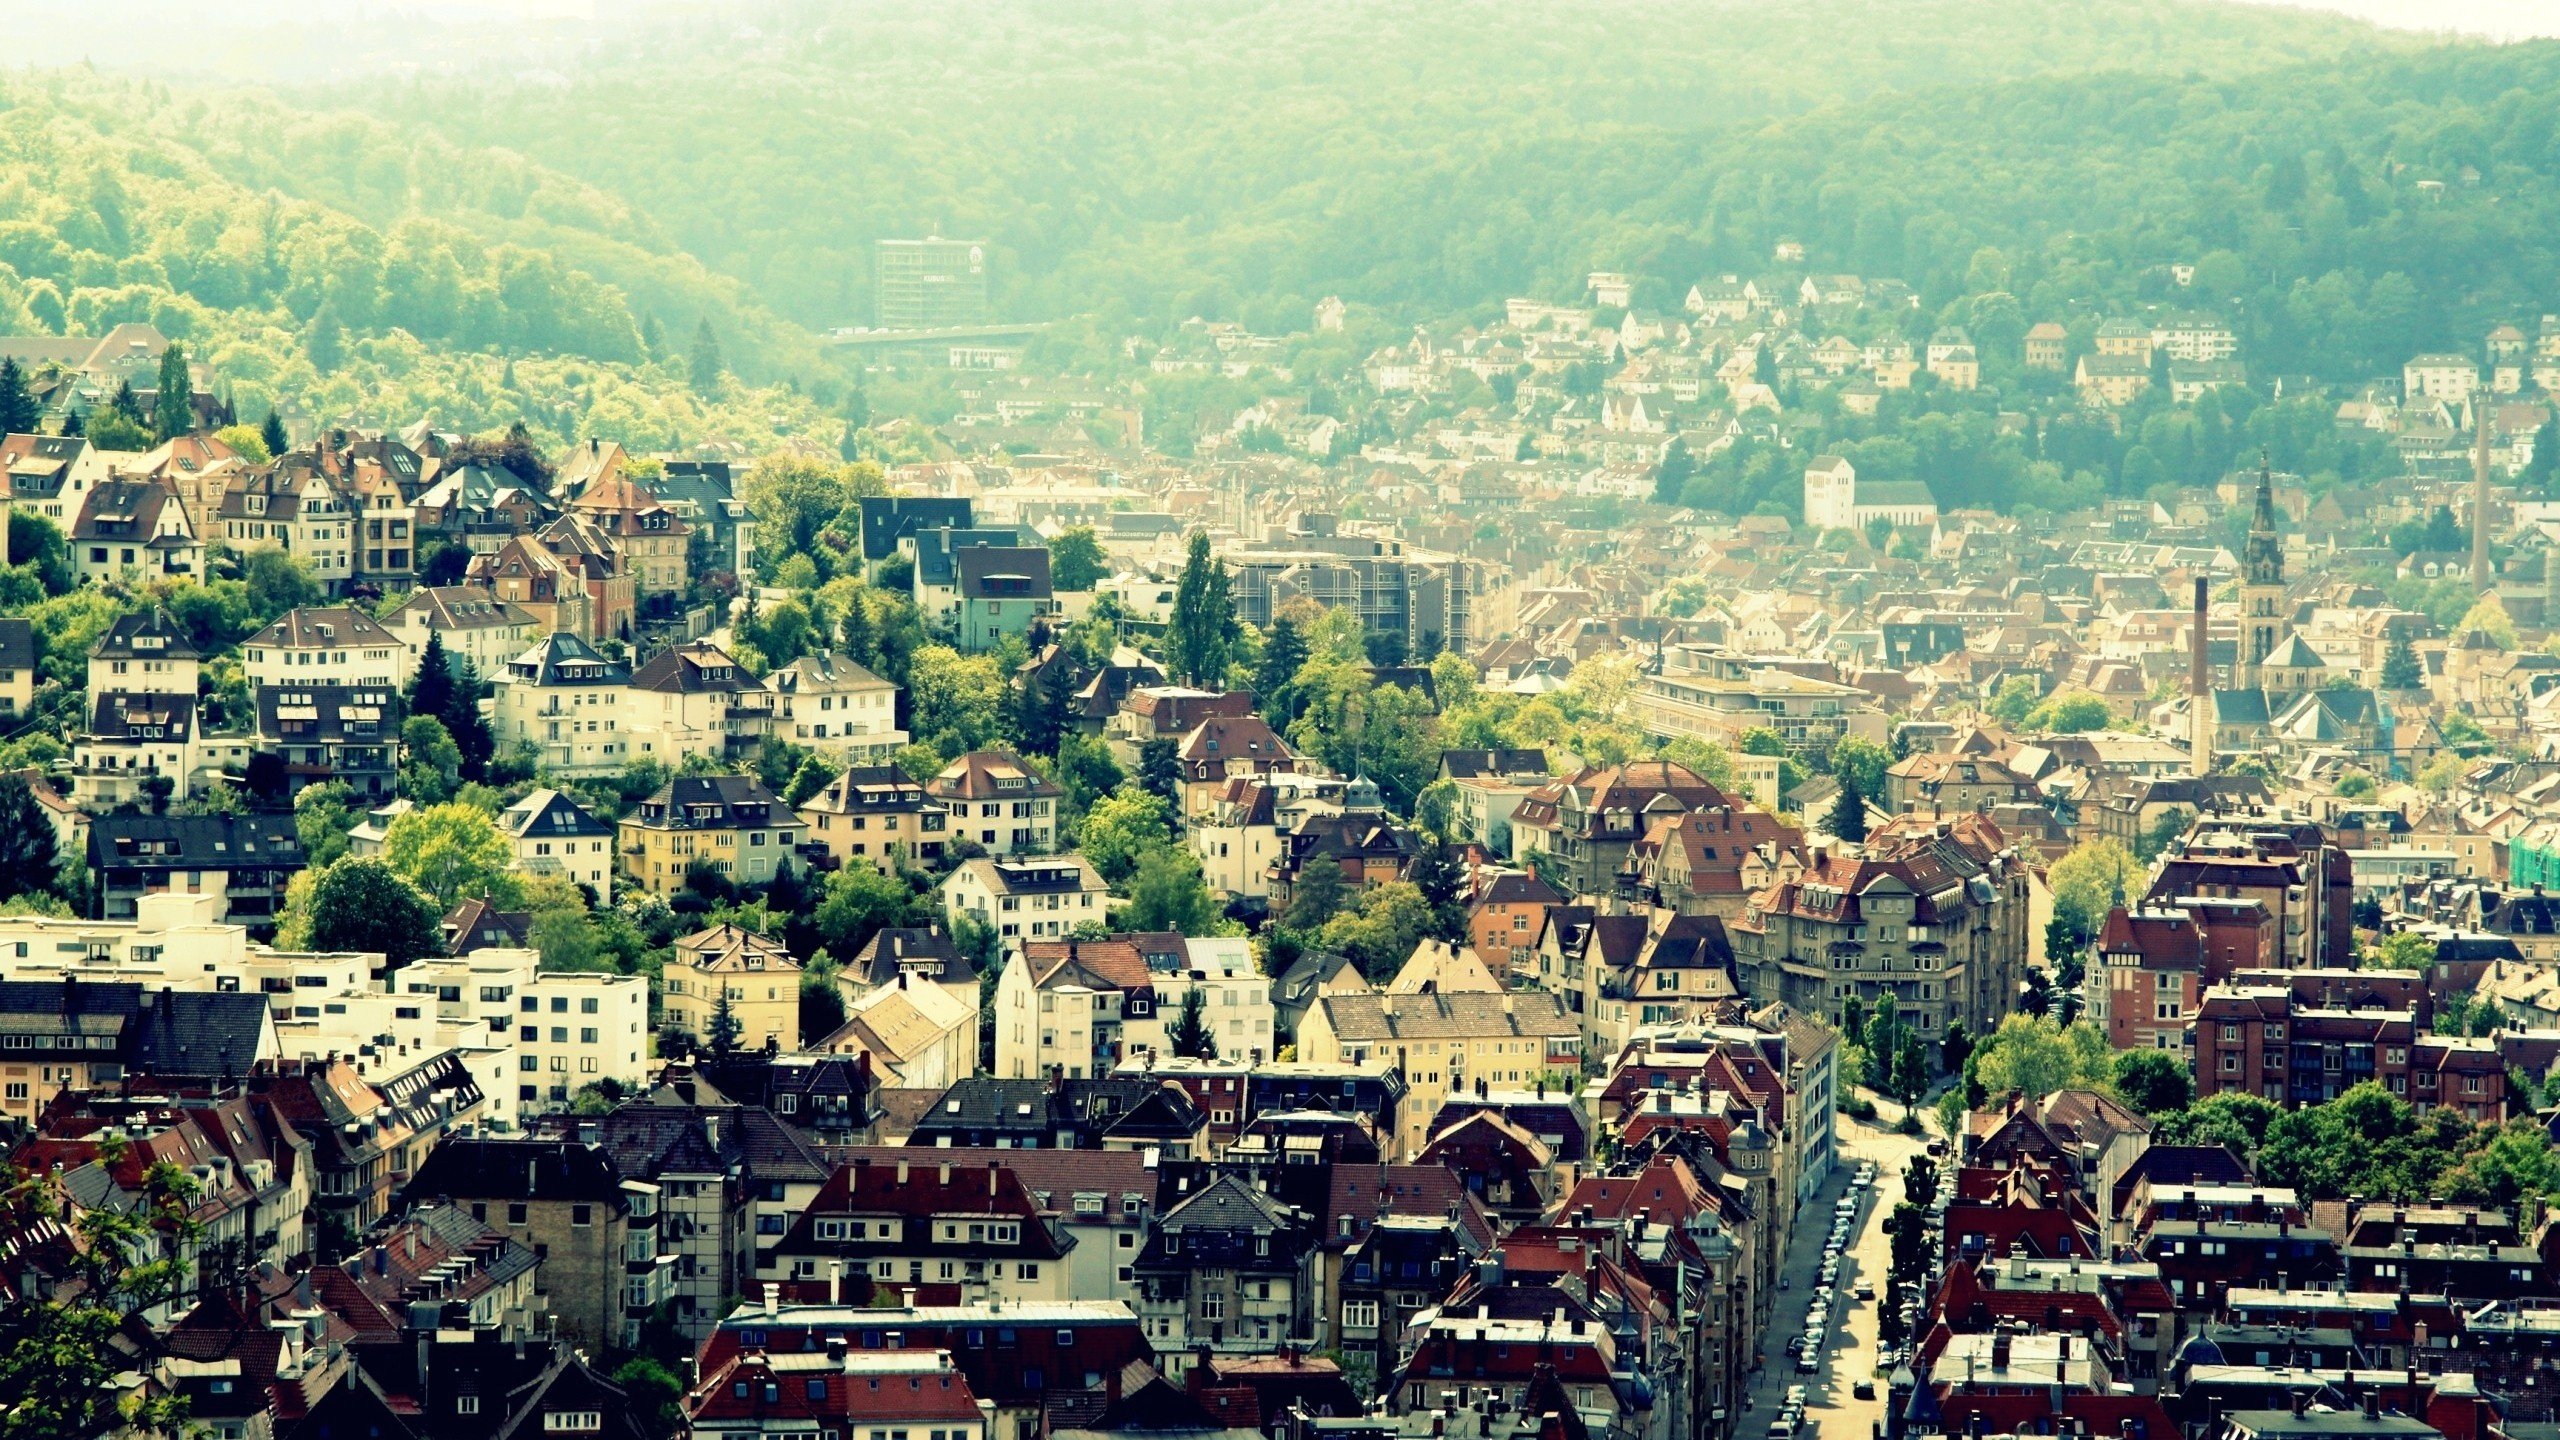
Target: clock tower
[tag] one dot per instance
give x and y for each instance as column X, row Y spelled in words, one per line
column 2261, row 586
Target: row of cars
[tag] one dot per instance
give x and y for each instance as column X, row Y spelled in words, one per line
column 1808, row 1348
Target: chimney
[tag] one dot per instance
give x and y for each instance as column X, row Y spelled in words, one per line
column 772, row 1298
column 2200, row 687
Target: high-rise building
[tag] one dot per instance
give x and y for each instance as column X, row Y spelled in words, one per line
column 930, row 284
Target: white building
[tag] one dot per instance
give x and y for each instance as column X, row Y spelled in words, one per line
column 837, row 708
column 569, row 703
column 1835, row 500
column 1026, row 898
column 2450, row 378
column 470, row 621
column 554, row 835
column 337, row 646
column 1235, row 1001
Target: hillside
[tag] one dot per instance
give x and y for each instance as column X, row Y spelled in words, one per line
column 1242, row 159
column 322, row 263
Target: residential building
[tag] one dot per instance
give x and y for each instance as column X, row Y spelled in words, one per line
column 603, row 1270
column 1578, row 831
column 569, row 703
column 758, row 976
column 829, row 704
column 342, row 646
column 241, row 862
column 1227, row 1270
column 695, row 700
column 87, row 1035
column 470, row 622
column 877, row 1225
column 1061, row 1007
column 1228, row 747
column 730, row 823
column 649, row 538
column 1026, row 898
column 143, row 653
column 1002, row 590
column 877, row 815
column 1445, row 1043
column 555, row 835
column 134, row 530
column 1933, row 914
column 2260, row 1040
column 17, row 665
column 998, row 802
column 1714, row 695
column 320, row 733
column 1427, row 598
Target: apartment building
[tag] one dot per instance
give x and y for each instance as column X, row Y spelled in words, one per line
column 696, row 700
column 555, row 835
column 1428, row 599
column 923, row 1222
column 998, row 802
column 568, row 702
column 1062, row 1007
column 335, row 646
column 470, row 623
column 603, row 1267
column 1024, row 899
column 1703, row 693
column 1445, row 1043
column 876, row 815
column 832, row 705
column 730, row 823
column 2262, row 1040
column 760, row 978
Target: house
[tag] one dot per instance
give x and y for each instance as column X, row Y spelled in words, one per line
column 528, row 574
column 926, row 1221
column 337, row 646
column 2111, row 380
column 829, row 704
column 143, row 653
column 759, row 978
column 650, row 537
column 134, row 530
column 243, row 862
column 1508, row 915
column 1579, row 830
column 918, row 1034
column 555, row 835
column 2190, row 379
column 1061, row 1007
column 729, row 823
column 1002, row 590
column 1227, row 1270
column 877, row 815
column 470, row 622
column 602, row 1271
column 1026, row 897
column 2450, row 378
column 136, row 745
column 995, row 800
column 1224, row 747
column 87, row 1035
column 567, row 702
column 297, row 511
column 2045, row 345
column 1445, row 1042
column 694, row 699
column 346, row 733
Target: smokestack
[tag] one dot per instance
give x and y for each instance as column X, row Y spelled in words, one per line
column 2200, row 686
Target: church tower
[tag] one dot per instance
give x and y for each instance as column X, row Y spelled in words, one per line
column 2261, row 586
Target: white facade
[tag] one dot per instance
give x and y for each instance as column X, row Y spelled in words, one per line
column 1235, row 1001
column 1027, row 899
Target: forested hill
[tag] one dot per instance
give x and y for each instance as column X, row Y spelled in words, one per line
column 1157, row 159
column 327, row 263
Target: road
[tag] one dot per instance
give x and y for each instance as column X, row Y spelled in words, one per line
column 1850, row 1355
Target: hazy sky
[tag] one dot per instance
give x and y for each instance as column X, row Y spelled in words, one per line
column 2508, row 18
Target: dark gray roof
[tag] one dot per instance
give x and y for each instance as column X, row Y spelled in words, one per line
column 550, row 813
column 475, row 1169
column 194, row 842
column 192, row 1034
column 561, row 658
column 17, row 643
column 1003, row 572
column 886, row 519
column 934, row 549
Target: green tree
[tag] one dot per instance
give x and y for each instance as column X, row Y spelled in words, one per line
column 113, row 431
column 452, row 852
column 1189, row 1035
column 1318, row 896
column 173, row 411
column 431, row 764
column 1168, row 892
column 2166, row 830
column 62, row 1349
column 276, row 583
column 703, row 366
column 2154, row 1082
column 322, row 816
column 813, row 776
column 2015, row 700
column 2095, row 877
column 1862, row 762
column 1380, row 929
column 361, row 903
column 2404, row 950
column 2489, row 616
column 858, row 902
column 822, row 1009
column 1284, row 651
column 272, row 431
column 1203, row 629
column 1122, row 829
column 1955, row 1048
column 2232, row 1119
column 19, row 413
column 28, row 863
column 1160, row 769
column 245, row 441
column 1075, row 559
column 2035, row 1056
column 1848, row 820
column 956, row 702
column 2070, row 712
column 724, row 1027
column 2400, row 668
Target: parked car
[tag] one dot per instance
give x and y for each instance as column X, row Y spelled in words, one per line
column 1866, row 1291
column 1864, row 1390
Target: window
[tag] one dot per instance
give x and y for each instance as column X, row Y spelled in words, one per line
column 1213, row 1305
column 515, row 1213
column 466, row 1405
column 582, row 1214
column 1359, row 1314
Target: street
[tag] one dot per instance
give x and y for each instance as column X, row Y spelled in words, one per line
column 1849, row 1356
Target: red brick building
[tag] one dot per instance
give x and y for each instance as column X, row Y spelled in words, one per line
column 2263, row 1041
